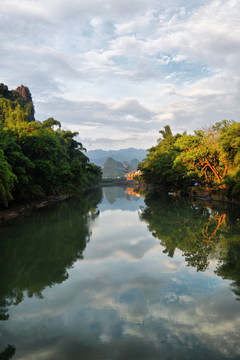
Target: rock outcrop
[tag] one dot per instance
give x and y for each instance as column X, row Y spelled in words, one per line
column 20, row 96
column 24, row 92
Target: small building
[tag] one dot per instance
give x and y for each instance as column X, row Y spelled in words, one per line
column 132, row 175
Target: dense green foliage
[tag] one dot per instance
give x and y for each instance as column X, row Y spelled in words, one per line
column 210, row 158
column 38, row 159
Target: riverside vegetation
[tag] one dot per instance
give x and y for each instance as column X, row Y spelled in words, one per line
column 210, row 159
column 38, row 159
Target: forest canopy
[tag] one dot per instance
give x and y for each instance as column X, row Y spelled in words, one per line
column 209, row 158
column 38, row 159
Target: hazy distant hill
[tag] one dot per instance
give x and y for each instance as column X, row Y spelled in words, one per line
column 99, row 157
column 134, row 164
column 112, row 168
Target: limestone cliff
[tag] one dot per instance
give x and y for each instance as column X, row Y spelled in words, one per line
column 20, row 96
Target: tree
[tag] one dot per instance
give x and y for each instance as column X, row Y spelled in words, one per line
column 158, row 168
column 20, row 164
column 166, row 133
column 7, row 180
column 200, row 157
column 50, row 122
column 36, row 159
column 178, row 160
column 230, row 145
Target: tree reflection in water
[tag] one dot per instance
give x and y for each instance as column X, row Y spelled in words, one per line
column 8, row 352
column 35, row 252
column 201, row 231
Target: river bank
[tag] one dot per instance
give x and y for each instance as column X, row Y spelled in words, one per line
column 212, row 195
column 193, row 193
column 24, row 209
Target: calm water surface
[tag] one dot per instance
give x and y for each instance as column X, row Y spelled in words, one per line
column 119, row 275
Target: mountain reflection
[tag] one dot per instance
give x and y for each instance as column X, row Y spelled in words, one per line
column 36, row 252
column 114, row 193
column 202, row 232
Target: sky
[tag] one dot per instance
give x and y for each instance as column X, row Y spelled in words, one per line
column 118, row 71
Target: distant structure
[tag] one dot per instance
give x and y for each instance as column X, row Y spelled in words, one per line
column 131, row 175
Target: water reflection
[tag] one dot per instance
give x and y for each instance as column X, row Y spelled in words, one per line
column 202, row 232
column 127, row 299
column 114, row 193
column 229, row 264
column 36, row 252
column 8, row 352
column 116, row 196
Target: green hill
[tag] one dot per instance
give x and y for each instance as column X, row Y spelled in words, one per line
column 113, row 168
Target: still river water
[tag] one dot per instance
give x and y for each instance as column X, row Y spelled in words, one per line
column 121, row 275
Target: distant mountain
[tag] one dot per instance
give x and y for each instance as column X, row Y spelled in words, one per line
column 134, row 164
column 112, row 168
column 98, row 162
column 99, row 157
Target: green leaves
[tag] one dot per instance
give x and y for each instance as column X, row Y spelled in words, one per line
column 158, row 166
column 7, row 179
column 37, row 160
column 210, row 156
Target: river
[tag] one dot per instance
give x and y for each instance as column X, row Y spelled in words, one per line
column 121, row 274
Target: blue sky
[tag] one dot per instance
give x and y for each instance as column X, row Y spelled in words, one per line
column 118, row 71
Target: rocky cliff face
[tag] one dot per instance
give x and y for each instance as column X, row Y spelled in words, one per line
column 24, row 92
column 20, row 96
